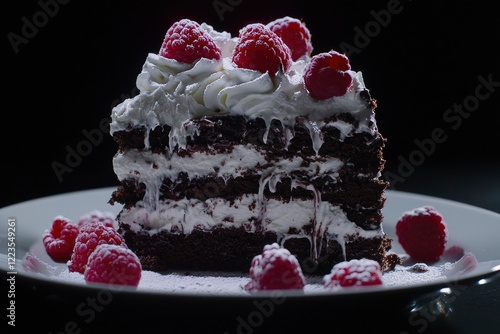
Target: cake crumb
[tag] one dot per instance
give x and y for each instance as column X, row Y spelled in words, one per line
column 418, row 268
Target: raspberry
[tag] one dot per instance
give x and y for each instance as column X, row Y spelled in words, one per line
column 186, row 42
column 275, row 268
column 295, row 35
column 422, row 233
column 96, row 215
column 89, row 237
column 60, row 239
column 326, row 75
column 113, row 264
column 354, row 273
column 260, row 49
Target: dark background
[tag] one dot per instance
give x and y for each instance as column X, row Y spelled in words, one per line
column 419, row 59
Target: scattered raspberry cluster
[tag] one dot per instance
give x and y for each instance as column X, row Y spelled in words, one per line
column 422, row 233
column 277, row 269
column 89, row 237
column 271, row 48
column 94, row 248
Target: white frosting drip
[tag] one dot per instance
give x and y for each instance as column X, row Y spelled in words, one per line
column 152, row 169
column 187, row 214
column 208, row 88
column 173, row 93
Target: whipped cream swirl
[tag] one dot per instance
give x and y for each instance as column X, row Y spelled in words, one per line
column 173, row 93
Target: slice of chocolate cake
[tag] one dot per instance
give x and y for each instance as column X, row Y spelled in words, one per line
column 233, row 143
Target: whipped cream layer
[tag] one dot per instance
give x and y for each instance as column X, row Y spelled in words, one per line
column 184, row 215
column 152, row 169
column 173, row 93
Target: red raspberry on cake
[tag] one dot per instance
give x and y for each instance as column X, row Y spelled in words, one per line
column 354, row 273
column 260, row 49
column 187, row 42
column 105, row 217
column 275, row 268
column 60, row 239
column 90, row 236
column 113, row 264
column 422, row 233
column 326, row 75
column 295, row 35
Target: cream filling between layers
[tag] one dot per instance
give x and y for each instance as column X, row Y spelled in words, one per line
column 151, row 169
column 184, row 215
column 243, row 158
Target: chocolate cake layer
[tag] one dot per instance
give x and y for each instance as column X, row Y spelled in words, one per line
column 232, row 249
column 351, row 194
column 218, row 135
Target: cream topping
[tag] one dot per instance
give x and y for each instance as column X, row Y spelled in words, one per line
column 184, row 215
column 136, row 164
column 173, row 93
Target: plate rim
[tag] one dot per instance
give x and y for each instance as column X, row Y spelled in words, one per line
column 414, row 289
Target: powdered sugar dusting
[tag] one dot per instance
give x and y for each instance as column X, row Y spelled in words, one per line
column 230, row 283
column 233, row 284
column 220, row 284
column 189, row 283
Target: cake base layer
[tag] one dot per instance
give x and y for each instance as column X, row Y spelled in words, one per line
column 232, row 249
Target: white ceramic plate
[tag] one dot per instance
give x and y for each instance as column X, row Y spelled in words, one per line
column 475, row 230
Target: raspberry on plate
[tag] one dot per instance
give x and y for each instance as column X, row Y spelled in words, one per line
column 422, row 233
column 96, row 215
column 186, row 42
column 60, row 239
column 275, row 268
column 260, row 49
column 113, row 264
column 295, row 35
column 354, row 273
column 327, row 75
column 90, row 236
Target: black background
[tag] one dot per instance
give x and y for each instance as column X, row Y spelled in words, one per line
column 418, row 62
